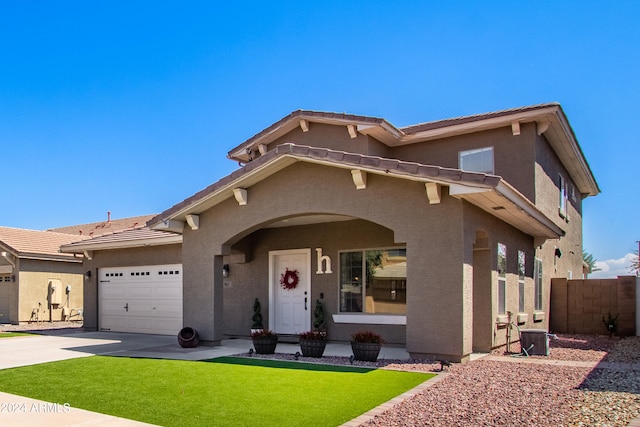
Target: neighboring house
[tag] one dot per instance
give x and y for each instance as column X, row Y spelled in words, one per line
column 434, row 235
column 40, row 283
column 37, row 282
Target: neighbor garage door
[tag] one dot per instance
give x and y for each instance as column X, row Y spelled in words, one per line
column 145, row 299
column 5, row 295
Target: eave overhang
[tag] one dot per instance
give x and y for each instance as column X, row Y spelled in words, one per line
column 488, row 192
column 122, row 242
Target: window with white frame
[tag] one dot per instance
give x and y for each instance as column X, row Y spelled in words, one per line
column 537, row 279
column 521, row 270
column 478, row 160
column 563, row 197
column 502, row 278
column 373, row 281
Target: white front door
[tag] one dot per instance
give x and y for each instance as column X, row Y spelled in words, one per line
column 289, row 309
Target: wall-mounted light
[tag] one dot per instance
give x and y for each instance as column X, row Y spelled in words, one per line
column 87, row 275
column 13, row 277
column 225, row 270
column 558, row 253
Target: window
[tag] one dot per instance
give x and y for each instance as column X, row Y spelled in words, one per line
column 563, row 198
column 479, row 160
column 537, row 279
column 521, row 270
column 502, row 278
column 373, row 281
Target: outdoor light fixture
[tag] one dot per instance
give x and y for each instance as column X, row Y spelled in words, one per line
column 558, row 253
column 87, row 275
column 225, row 270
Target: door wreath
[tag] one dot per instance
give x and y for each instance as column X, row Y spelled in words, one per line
column 289, row 279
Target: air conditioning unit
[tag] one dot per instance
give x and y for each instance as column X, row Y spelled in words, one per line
column 535, row 342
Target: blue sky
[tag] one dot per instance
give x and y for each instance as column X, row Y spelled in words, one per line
column 130, row 107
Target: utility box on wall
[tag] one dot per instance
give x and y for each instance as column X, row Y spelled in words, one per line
column 55, row 291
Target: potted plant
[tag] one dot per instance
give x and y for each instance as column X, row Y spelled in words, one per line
column 366, row 345
column 256, row 326
column 611, row 323
column 265, row 341
column 313, row 343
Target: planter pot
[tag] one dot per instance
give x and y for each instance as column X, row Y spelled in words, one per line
column 265, row 345
column 312, row 348
column 188, row 338
column 365, row 351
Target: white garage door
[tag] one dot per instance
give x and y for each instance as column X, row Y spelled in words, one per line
column 145, row 299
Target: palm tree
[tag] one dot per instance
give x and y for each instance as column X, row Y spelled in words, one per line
column 590, row 261
column 635, row 265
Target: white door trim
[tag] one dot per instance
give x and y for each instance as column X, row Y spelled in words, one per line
column 274, row 283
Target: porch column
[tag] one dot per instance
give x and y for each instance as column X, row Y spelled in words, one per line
column 217, row 303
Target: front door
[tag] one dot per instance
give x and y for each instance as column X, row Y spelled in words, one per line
column 289, row 309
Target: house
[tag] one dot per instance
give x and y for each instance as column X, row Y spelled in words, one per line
column 436, row 235
column 37, row 282
column 40, row 283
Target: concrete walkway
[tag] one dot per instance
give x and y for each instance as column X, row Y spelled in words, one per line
column 23, row 351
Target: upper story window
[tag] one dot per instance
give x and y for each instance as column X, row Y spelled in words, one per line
column 563, row 200
column 478, row 160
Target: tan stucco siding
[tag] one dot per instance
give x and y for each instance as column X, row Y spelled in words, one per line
column 548, row 169
column 249, row 280
column 513, row 154
column 33, row 284
column 485, row 311
column 326, row 136
column 432, row 233
column 155, row 255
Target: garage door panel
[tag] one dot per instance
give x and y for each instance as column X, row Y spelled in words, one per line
column 169, row 309
column 142, row 290
column 166, row 293
column 153, row 295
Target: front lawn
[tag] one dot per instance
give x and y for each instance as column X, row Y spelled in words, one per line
column 14, row 334
column 225, row 391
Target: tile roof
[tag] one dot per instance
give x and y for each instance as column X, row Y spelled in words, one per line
column 35, row 244
column 126, row 238
column 338, row 159
column 437, row 124
column 99, row 228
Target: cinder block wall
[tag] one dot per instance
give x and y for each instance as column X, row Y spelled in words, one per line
column 578, row 306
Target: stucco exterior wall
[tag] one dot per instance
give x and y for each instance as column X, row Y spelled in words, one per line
column 31, row 292
column 514, row 155
column 483, row 258
column 432, row 233
column 153, row 255
column 569, row 263
column 249, row 280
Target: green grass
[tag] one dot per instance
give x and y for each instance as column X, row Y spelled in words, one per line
column 14, row 334
column 222, row 392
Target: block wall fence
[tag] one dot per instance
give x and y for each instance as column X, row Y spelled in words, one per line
column 578, row 306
